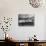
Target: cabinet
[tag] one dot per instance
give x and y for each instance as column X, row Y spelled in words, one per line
column 21, row 44
column 42, row 44
column 37, row 44
column 26, row 43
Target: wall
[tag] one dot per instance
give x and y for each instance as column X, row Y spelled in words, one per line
column 11, row 8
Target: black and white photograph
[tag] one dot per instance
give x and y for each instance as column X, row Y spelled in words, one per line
column 25, row 20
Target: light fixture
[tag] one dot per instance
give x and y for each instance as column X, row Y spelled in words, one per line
column 35, row 3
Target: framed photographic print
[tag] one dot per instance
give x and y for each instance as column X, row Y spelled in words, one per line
column 25, row 20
